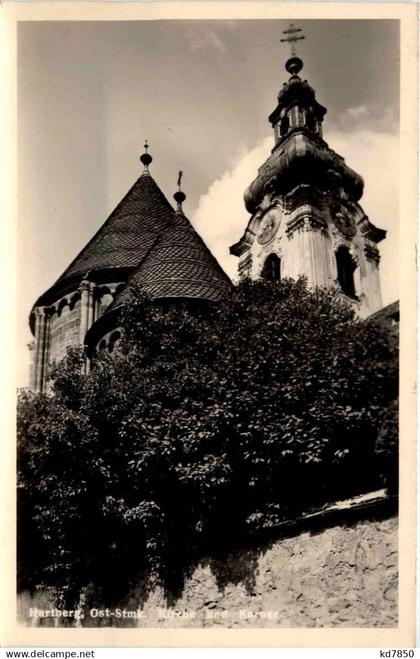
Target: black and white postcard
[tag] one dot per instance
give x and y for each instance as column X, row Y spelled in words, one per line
column 214, row 214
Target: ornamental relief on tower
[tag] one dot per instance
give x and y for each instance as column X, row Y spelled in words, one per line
column 269, row 225
column 339, row 239
column 343, row 219
column 268, row 200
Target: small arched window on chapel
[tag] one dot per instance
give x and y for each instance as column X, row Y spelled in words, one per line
column 113, row 341
column 271, row 268
column 345, row 271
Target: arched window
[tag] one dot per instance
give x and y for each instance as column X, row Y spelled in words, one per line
column 105, row 300
column 345, row 271
column 113, row 341
column 271, row 268
column 61, row 306
column 75, row 301
column 284, row 125
column 310, row 121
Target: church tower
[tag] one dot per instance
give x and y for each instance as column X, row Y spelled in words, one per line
column 304, row 205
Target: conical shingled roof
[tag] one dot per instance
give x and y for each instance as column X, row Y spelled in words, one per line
column 179, row 266
column 126, row 237
column 128, row 233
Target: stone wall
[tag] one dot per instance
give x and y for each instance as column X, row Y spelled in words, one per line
column 64, row 327
column 339, row 577
column 336, row 575
column 64, row 324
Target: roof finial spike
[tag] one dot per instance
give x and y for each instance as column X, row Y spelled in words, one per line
column 294, row 64
column 179, row 196
column 146, row 158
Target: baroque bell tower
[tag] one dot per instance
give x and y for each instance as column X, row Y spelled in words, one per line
column 304, row 205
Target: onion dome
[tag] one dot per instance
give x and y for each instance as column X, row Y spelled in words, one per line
column 300, row 155
column 301, row 159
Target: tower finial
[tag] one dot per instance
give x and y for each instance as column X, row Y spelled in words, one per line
column 179, row 196
column 294, row 64
column 292, row 37
column 146, row 158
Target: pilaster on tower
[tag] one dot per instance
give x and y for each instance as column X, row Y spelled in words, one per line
column 304, row 205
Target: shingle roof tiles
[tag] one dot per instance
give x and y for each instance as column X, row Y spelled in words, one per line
column 128, row 233
column 158, row 246
column 180, row 265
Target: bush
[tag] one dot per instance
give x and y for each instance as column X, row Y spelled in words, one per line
column 205, row 426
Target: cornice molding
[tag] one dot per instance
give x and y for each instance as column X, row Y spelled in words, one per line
column 305, row 222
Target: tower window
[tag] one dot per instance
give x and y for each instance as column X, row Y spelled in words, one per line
column 284, row 125
column 310, row 122
column 271, row 268
column 345, row 271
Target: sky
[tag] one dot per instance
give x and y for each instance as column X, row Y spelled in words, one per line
column 90, row 93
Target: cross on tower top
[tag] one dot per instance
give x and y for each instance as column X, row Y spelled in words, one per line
column 292, row 36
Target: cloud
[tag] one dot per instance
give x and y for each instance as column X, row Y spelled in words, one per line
column 371, row 116
column 358, row 112
column 202, row 40
column 221, row 216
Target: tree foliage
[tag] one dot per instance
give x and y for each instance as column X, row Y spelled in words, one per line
column 205, row 425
